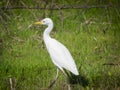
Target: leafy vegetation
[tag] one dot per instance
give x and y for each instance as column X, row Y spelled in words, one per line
column 91, row 35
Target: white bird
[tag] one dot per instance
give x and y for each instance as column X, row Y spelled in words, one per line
column 59, row 54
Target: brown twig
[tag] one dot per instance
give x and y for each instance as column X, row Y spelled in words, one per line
column 56, row 8
column 11, row 84
column 112, row 64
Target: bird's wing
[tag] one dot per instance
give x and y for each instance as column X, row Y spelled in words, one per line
column 61, row 56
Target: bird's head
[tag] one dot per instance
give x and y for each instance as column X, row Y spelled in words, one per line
column 45, row 21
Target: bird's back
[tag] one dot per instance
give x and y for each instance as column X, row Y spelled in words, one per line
column 61, row 56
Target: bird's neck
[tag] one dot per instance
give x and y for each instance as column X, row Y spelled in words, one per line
column 47, row 31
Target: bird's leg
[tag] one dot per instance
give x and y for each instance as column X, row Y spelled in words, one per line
column 69, row 87
column 68, row 84
column 53, row 82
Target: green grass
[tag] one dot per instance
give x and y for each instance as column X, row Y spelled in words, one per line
column 24, row 57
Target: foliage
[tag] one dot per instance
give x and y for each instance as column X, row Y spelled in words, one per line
column 91, row 35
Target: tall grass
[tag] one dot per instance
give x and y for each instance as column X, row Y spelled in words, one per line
column 92, row 36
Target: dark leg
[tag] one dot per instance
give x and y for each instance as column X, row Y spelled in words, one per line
column 53, row 82
column 68, row 84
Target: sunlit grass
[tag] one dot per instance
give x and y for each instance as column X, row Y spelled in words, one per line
column 25, row 58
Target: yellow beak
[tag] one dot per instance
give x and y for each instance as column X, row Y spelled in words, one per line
column 38, row 22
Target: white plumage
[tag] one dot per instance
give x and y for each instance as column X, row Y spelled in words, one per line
column 59, row 54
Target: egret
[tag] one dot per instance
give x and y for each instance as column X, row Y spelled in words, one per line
column 59, row 54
